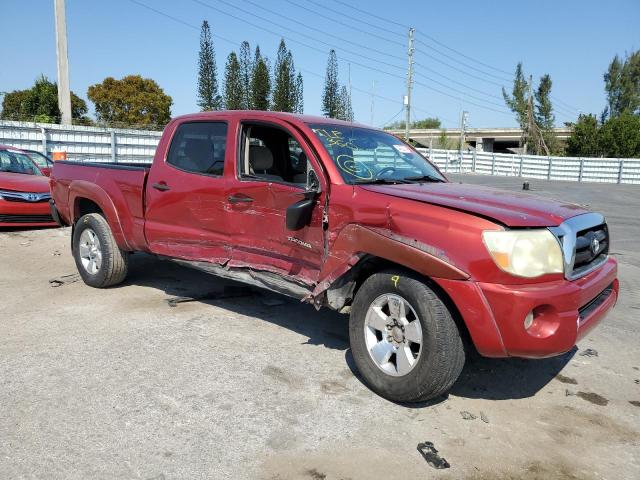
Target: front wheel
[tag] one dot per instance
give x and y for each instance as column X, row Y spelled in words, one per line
column 403, row 339
column 99, row 260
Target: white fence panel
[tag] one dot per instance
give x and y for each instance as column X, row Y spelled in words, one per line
column 138, row 146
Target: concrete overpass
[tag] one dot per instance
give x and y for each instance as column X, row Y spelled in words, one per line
column 498, row 140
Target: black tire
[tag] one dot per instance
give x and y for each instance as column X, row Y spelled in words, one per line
column 442, row 354
column 115, row 262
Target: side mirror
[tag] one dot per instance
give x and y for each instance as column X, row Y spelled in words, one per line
column 299, row 214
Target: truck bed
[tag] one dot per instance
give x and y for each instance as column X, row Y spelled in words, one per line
column 119, row 185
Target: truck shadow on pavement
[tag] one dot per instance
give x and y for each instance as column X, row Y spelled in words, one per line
column 481, row 378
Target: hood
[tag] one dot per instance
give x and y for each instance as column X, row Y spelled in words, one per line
column 22, row 182
column 512, row 209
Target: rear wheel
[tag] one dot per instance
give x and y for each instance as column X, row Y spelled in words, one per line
column 403, row 339
column 99, row 260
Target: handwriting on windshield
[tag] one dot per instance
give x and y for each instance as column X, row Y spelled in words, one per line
column 335, row 138
column 354, row 167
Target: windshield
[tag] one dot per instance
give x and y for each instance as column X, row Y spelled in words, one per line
column 371, row 156
column 16, row 162
column 39, row 159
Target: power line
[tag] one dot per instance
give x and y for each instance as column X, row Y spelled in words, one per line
column 370, row 14
column 323, row 32
column 345, row 24
column 320, row 5
column 244, row 20
column 285, row 28
column 463, row 55
column 561, row 105
column 461, row 62
column 189, row 25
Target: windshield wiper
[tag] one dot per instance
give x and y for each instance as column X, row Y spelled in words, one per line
column 423, row 178
column 380, row 181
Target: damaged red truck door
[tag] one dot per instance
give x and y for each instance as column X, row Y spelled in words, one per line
column 351, row 218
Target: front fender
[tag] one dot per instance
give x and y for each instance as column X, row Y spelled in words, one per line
column 355, row 241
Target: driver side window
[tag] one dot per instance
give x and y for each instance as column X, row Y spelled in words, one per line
column 273, row 155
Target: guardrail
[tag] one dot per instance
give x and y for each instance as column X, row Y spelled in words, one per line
column 124, row 145
column 576, row 169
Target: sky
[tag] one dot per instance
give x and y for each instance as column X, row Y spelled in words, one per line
column 465, row 51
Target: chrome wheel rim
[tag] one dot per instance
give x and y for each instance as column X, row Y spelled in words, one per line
column 90, row 251
column 393, row 335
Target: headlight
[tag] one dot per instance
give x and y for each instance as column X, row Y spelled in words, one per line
column 525, row 253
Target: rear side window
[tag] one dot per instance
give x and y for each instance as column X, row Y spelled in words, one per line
column 199, row 147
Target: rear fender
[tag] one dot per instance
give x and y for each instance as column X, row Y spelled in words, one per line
column 80, row 189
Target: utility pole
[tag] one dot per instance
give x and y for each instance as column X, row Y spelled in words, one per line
column 463, row 129
column 373, row 96
column 64, row 92
column 407, row 99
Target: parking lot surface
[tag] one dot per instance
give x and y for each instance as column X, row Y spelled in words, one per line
column 239, row 383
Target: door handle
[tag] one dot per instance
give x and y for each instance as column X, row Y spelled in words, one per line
column 239, row 199
column 163, row 187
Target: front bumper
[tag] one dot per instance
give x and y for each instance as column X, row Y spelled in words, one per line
column 25, row 214
column 564, row 312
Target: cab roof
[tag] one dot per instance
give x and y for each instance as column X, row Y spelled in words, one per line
column 295, row 117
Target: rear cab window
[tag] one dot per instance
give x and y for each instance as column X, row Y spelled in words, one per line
column 199, row 147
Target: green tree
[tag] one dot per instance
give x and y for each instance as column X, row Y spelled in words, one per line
column 246, row 67
column 620, row 136
column 622, row 85
column 424, row 123
column 584, row 141
column 133, row 100
column 208, row 96
column 260, row 83
column 233, row 93
column 544, row 113
column 345, row 110
column 299, row 93
column 517, row 101
column 40, row 103
column 284, row 74
column 331, row 93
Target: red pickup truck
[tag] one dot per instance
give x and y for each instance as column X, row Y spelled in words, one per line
column 351, row 218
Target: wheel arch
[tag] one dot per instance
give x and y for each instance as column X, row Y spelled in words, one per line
column 343, row 290
column 86, row 197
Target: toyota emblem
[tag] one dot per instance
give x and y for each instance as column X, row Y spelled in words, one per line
column 32, row 197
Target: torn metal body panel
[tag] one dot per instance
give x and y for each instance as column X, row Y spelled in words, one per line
column 267, row 280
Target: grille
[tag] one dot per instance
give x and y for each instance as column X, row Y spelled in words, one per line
column 27, row 197
column 25, row 218
column 588, row 309
column 592, row 247
column 19, row 199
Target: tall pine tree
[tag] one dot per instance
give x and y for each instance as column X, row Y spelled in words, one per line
column 260, row 83
column 245, row 74
column 331, row 94
column 345, row 112
column 284, row 73
column 208, row 96
column 517, row 102
column 233, row 95
column 544, row 113
column 299, row 91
